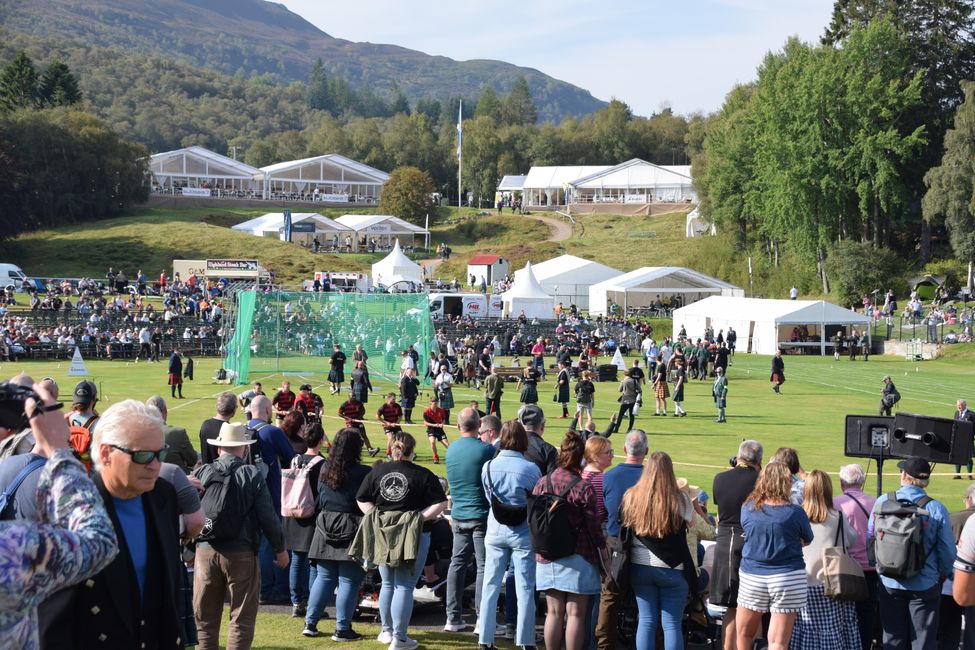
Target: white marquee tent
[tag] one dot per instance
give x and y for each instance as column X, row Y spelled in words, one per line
column 568, row 278
column 635, row 181
column 527, row 295
column 272, row 225
column 384, row 228
column 396, row 267
column 200, row 172
column 641, row 288
column 548, row 185
column 763, row 325
column 330, row 178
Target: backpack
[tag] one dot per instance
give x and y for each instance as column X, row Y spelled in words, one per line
column 297, row 498
column 553, row 536
column 223, row 506
column 80, row 441
column 7, row 496
column 253, row 456
column 898, row 542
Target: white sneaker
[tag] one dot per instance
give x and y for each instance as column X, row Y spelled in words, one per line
column 499, row 630
column 385, row 637
column 408, row 644
column 455, row 627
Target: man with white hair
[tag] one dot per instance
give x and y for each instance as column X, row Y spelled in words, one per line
column 136, row 601
column 856, row 506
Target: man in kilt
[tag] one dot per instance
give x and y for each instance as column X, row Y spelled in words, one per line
column 176, row 374
column 336, row 372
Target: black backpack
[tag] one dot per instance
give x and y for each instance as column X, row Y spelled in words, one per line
column 223, row 506
column 553, row 536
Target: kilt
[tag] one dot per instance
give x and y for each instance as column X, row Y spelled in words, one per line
column 679, row 393
column 728, row 543
column 661, row 390
column 175, row 379
column 336, row 376
column 777, row 378
column 529, row 394
column 361, row 392
column 825, row 624
column 445, row 399
column 563, row 394
column 407, row 402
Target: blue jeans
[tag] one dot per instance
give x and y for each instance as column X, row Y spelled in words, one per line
column 661, row 595
column 468, row 538
column 540, row 364
column 910, row 614
column 396, row 593
column 274, row 581
column 499, row 550
column 510, row 598
column 299, row 577
column 347, row 576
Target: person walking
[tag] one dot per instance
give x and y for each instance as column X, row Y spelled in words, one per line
column 962, row 414
column 658, row 513
column 719, row 390
column 493, row 390
column 773, row 572
column 506, row 480
column 176, row 374
column 570, row 581
column 778, row 372
column 824, row 622
column 361, row 386
column 661, row 390
column 443, row 388
column 400, row 500
column 630, row 393
column 434, row 418
column 585, row 392
column 528, row 383
column 336, row 369
column 562, row 380
column 856, row 506
column 409, row 390
column 337, row 521
column 888, row 397
column 298, row 531
column 680, row 381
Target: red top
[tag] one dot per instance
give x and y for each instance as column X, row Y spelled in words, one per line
column 390, row 412
column 352, row 410
column 284, row 401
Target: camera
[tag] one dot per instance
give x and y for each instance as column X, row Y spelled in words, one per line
column 12, row 399
column 733, row 461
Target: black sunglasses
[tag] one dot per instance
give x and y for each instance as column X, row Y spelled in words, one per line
column 143, row 457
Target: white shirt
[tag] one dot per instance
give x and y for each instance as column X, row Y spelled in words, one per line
column 793, row 292
column 407, row 363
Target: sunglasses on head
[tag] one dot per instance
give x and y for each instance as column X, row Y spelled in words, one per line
column 143, row 457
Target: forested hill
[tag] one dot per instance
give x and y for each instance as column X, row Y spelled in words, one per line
column 254, row 37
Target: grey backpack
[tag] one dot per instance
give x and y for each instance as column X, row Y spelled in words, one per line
column 898, row 542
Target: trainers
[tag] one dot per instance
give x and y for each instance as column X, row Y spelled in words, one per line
column 404, row 644
column 455, row 627
column 374, row 451
column 346, row 635
column 485, row 646
column 298, row 611
column 436, row 460
column 511, row 632
column 385, row 637
column 310, row 630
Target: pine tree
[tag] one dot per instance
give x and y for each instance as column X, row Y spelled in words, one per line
column 58, row 86
column 18, row 84
column 518, row 107
column 316, row 92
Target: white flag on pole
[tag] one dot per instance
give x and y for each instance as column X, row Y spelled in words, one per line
column 460, row 134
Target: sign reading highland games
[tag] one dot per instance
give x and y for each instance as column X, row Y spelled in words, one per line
column 233, row 268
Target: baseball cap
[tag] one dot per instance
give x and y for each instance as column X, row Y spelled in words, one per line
column 915, row 467
column 531, row 415
column 85, row 392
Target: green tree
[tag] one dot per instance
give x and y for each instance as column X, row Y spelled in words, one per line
column 429, row 107
column 518, row 107
column 488, row 104
column 58, row 87
column 482, row 148
column 856, row 269
column 316, row 92
column 951, row 185
column 18, row 83
column 610, row 134
column 408, row 194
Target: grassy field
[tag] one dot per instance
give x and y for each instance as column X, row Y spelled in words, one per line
column 809, row 416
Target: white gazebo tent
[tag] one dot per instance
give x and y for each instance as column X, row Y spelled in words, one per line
column 383, row 228
column 315, row 225
column 549, row 185
column 200, row 172
column 568, row 278
column 642, row 287
column 527, row 295
column 396, row 267
column 331, row 178
column 763, row 325
column 635, row 181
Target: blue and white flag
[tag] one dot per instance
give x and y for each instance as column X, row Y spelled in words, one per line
column 460, row 134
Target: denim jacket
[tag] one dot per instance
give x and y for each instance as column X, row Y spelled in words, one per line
column 513, row 478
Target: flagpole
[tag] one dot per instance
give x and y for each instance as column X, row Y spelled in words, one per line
column 460, row 151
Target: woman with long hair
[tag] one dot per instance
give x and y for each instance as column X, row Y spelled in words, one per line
column 658, row 512
column 508, row 479
column 824, row 623
column 772, row 577
column 400, row 486
column 570, row 581
column 336, row 523
column 293, row 425
column 599, row 456
column 298, row 532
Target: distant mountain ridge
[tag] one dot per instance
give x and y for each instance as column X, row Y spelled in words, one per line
column 254, row 37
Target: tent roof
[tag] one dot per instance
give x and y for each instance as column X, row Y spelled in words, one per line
column 558, row 266
column 275, row 221
column 632, row 173
column 526, row 286
column 511, row 183
column 334, row 158
column 396, row 267
column 633, row 279
column 483, row 259
column 782, row 312
column 359, row 222
column 231, row 167
column 397, row 258
column 557, row 177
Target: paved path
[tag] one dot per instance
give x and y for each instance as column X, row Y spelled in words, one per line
column 560, row 229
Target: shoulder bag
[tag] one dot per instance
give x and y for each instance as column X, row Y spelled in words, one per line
column 843, row 578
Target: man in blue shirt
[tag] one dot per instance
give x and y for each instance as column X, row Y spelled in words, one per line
column 615, row 483
column 276, row 452
column 909, row 608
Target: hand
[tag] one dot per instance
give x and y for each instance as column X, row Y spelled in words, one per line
column 282, row 560
column 195, row 482
column 49, row 427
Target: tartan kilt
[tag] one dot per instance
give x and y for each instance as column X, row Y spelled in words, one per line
column 336, row 376
column 661, row 390
column 777, row 378
column 825, row 624
column 175, row 379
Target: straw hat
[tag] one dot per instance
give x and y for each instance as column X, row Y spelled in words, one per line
column 232, row 434
column 690, row 490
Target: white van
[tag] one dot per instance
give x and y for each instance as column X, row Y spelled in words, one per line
column 475, row 305
column 11, row 274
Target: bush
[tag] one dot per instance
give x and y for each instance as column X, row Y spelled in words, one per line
column 857, row 268
column 408, row 194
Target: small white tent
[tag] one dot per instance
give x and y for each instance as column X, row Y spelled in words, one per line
column 641, row 288
column 568, row 278
column 763, row 325
column 527, row 295
column 396, row 267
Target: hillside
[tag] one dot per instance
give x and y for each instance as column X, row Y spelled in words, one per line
column 253, row 37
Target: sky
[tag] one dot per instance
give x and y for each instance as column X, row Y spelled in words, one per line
column 686, row 54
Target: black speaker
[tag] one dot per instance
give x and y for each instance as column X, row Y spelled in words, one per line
column 941, row 440
column 869, row 436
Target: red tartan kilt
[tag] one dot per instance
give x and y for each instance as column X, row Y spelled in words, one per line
column 778, row 378
column 175, row 379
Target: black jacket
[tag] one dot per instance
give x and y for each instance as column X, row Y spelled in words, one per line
column 106, row 611
column 543, row 454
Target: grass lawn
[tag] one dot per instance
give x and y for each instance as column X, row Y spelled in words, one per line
column 809, row 416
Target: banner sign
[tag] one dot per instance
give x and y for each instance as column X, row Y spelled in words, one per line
column 287, row 225
column 303, row 226
column 196, row 191
column 334, row 198
column 232, row 265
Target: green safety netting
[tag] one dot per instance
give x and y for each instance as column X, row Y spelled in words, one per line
column 293, row 332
